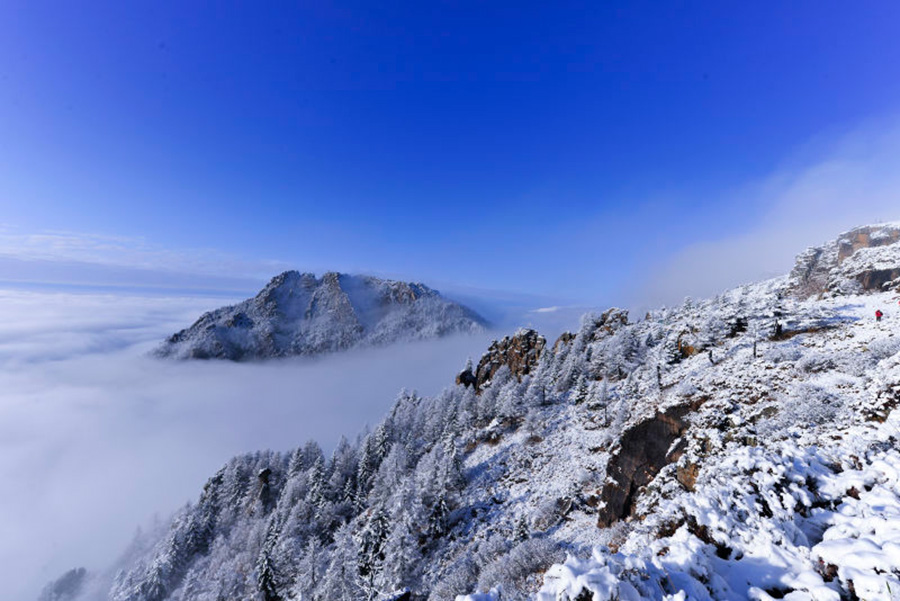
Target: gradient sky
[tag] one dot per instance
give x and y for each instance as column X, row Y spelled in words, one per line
column 546, row 148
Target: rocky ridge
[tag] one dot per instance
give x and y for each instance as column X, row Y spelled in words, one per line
column 300, row 314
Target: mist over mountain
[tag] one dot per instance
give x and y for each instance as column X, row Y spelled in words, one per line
column 743, row 446
column 299, row 314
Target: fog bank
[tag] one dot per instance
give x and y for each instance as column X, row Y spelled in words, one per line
column 96, row 437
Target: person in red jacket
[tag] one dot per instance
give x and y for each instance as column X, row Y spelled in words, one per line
column 878, row 314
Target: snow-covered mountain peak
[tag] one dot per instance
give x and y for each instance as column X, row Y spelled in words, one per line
column 300, row 314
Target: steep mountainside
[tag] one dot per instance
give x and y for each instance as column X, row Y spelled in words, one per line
column 298, row 314
column 739, row 447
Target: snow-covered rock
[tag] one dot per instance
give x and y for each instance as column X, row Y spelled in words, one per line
column 863, row 259
column 299, row 314
column 518, row 353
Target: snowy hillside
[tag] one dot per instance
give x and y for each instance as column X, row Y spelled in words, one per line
column 298, row 314
column 743, row 446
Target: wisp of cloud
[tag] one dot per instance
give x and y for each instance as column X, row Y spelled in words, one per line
column 846, row 181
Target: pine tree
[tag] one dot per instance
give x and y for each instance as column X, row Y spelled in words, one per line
column 296, row 464
column 509, row 401
column 316, row 478
column 393, row 471
column 348, row 495
column 438, row 518
column 401, row 548
column 580, row 391
column 370, row 557
column 309, row 570
column 450, row 472
column 522, row 531
column 268, row 580
column 311, row 453
column 341, row 581
column 401, row 551
column 382, row 442
column 341, row 489
column 365, row 472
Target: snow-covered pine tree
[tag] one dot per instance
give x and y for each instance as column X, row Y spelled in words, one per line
column 579, row 393
column 370, row 558
column 268, row 580
column 309, row 571
column 316, row 495
column 341, row 580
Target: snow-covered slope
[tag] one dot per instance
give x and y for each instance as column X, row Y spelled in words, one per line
column 739, row 447
column 298, row 314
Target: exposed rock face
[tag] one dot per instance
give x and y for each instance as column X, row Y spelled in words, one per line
column 520, row 353
column 298, row 314
column 687, row 475
column 686, row 349
column 564, row 339
column 863, row 259
column 466, row 378
column 644, row 450
column 878, row 279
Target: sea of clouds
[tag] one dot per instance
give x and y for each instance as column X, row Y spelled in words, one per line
column 97, row 437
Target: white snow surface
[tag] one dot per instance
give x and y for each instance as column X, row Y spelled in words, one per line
column 798, row 490
column 815, row 545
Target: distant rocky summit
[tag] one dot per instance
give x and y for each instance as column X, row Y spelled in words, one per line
column 299, row 314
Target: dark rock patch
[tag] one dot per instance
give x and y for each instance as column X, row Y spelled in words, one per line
column 876, row 280
column 644, row 450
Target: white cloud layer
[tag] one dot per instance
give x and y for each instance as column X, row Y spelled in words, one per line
column 95, row 436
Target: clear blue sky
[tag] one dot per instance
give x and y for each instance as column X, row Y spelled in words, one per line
column 524, row 146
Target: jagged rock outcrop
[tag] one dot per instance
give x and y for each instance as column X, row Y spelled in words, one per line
column 519, row 352
column 865, row 259
column 564, row 339
column 299, row 314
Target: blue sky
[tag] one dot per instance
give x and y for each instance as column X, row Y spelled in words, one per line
column 561, row 150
